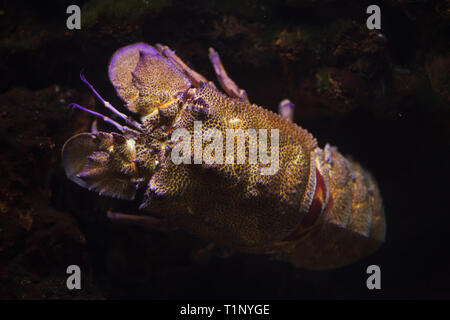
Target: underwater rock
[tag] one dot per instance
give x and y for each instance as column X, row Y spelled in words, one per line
column 437, row 70
column 37, row 242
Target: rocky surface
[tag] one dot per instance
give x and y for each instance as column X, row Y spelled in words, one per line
column 381, row 96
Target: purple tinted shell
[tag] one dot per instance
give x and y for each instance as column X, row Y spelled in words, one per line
column 137, row 47
column 124, row 62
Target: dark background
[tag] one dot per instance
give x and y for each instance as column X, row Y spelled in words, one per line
column 381, row 96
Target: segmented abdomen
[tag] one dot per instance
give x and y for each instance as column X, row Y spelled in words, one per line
column 349, row 214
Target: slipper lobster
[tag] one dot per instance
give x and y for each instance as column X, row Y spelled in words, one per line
column 316, row 209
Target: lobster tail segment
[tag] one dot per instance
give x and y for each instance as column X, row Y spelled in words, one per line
column 351, row 223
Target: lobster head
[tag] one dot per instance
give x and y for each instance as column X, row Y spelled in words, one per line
column 117, row 164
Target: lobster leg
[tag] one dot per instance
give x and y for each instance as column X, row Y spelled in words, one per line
column 150, row 222
column 195, row 77
column 227, row 84
column 286, row 109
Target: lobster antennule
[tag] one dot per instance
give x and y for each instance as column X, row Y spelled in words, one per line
column 101, row 116
column 108, row 105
